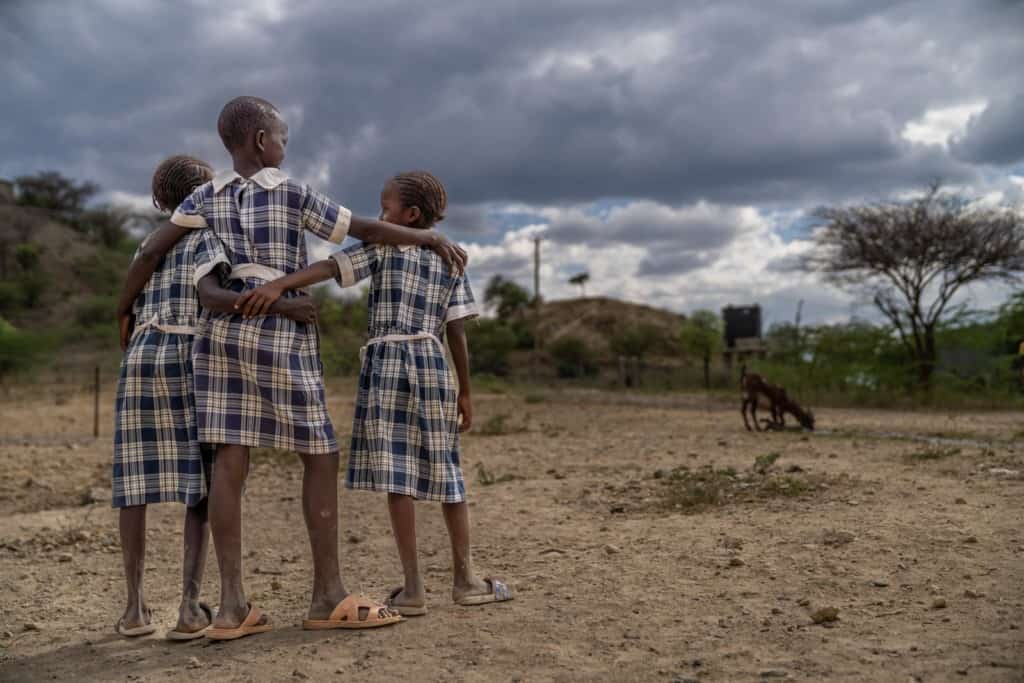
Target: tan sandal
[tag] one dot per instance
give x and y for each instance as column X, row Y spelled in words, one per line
column 346, row 615
column 249, row 627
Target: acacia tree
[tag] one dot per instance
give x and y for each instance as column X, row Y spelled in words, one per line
column 581, row 281
column 913, row 257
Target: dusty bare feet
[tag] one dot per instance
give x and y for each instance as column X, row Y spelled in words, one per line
column 193, row 616
column 136, row 616
column 471, row 586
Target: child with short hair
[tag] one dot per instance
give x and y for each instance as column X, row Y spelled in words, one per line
column 405, row 436
column 157, row 454
column 259, row 382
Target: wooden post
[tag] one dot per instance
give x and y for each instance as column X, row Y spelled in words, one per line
column 96, row 405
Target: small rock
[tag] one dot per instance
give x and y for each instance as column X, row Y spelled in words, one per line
column 96, row 494
column 299, row 674
column 723, row 442
column 971, row 539
column 793, row 469
column 773, row 673
column 65, row 557
column 879, row 583
column 275, row 585
column 661, row 474
column 835, row 538
column 8, row 634
column 193, row 663
column 825, row 615
column 31, row 626
column 736, row 562
column 960, row 501
column 611, row 550
column 972, row 594
column 1003, row 472
column 776, row 610
column 962, row 672
column 939, row 603
column 617, row 509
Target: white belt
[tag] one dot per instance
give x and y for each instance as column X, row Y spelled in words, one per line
column 399, row 338
column 170, row 329
column 255, row 270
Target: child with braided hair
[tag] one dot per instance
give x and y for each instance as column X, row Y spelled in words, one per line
column 157, row 454
column 409, row 412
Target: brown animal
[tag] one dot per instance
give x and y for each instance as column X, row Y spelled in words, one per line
column 753, row 385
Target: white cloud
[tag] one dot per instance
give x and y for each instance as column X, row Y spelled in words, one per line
column 942, row 125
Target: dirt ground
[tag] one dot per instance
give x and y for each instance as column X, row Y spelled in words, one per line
column 643, row 541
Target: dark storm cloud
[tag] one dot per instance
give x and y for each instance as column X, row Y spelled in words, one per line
column 527, row 100
column 996, row 136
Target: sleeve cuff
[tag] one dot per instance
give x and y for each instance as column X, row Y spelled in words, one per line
column 346, row 273
column 207, row 268
column 188, row 220
column 461, row 312
column 341, row 225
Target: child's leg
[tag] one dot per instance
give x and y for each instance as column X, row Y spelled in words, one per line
column 225, row 510
column 320, row 508
column 132, row 525
column 456, row 518
column 403, row 524
column 191, row 617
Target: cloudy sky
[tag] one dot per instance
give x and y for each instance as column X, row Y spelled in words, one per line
column 672, row 149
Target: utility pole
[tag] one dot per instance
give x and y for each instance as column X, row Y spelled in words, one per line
column 536, row 271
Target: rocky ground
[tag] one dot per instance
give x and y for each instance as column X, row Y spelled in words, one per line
column 649, row 538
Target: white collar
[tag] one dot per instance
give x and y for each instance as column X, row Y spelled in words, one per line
column 268, row 178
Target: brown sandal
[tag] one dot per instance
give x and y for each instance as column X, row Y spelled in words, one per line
column 249, row 627
column 346, row 615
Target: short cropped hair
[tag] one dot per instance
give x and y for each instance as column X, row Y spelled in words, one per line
column 242, row 117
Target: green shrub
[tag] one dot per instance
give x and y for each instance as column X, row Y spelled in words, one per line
column 573, row 358
column 96, row 310
column 490, row 343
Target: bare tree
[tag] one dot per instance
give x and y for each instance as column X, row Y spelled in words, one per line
column 913, row 257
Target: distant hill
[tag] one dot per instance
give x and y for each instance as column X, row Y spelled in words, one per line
column 53, row 273
column 600, row 321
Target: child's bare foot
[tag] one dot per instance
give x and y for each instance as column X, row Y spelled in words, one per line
column 477, row 591
column 407, row 603
column 232, row 617
column 321, row 607
column 193, row 616
column 137, row 620
column 471, row 586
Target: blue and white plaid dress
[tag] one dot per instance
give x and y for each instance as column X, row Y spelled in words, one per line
column 259, row 381
column 157, row 453
column 405, row 436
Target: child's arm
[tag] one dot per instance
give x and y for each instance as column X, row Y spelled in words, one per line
column 214, row 297
column 456, row 333
column 332, row 222
column 253, row 302
column 141, row 269
column 379, row 232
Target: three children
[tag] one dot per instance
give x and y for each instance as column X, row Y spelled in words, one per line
column 258, row 380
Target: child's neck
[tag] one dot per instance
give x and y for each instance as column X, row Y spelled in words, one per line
column 246, row 166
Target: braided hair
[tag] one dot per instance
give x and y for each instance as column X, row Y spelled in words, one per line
column 424, row 190
column 175, row 178
column 241, row 118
